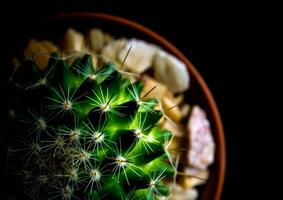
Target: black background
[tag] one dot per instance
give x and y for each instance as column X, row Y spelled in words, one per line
column 226, row 43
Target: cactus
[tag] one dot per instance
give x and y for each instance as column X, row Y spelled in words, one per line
column 76, row 132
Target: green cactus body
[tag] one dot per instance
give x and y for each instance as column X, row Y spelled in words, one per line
column 80, row 133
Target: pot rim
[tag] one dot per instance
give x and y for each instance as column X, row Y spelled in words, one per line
column 216, row 119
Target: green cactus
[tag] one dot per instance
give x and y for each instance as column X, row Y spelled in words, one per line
column 75, row 132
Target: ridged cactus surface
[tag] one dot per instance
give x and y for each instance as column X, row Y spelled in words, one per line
column 76, row 132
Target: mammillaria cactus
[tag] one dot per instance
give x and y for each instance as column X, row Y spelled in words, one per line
column 78, row 132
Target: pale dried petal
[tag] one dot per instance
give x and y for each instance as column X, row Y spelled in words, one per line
column 185, row 109
column 158, row 92
column 177, row 129
column 111, row 50
column 40, row 51
column 194, row 177
column 73, row 42
column 171, row 109
column 94, row 61
column 49, row 46
column 96, row 39
column 179, row 193
column 140, row 56
column 179, row 99
column 171, row 71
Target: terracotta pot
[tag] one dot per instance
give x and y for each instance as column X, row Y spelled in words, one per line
column 213, row 188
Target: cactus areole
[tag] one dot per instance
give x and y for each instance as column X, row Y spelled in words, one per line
column 75, row 132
